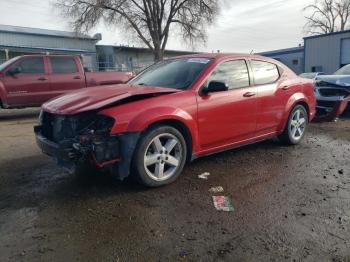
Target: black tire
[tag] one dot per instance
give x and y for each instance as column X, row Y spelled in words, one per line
column 287, row 136
column 141, row 173
column 84, row 171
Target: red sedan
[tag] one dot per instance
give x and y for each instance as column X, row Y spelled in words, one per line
column 175, row 111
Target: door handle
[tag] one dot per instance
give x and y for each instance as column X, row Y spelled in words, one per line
column 285, row 87
column 77, row 77
column 42, row 78
column 249, row 94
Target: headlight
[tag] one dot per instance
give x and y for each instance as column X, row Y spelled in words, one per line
column 103, row 123
column 99, row 125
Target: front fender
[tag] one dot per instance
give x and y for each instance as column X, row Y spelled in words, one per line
column 154, row 115
column 292, row 101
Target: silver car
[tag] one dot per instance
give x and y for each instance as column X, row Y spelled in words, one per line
column 311, row 75
column 330, row 89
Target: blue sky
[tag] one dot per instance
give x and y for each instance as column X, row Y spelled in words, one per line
column 242, row 26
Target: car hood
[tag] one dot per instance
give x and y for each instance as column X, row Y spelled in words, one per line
column 94, row 98
column 338, row 80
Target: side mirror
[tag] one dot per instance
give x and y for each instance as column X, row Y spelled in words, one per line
column 14, row 71
column 215, row 86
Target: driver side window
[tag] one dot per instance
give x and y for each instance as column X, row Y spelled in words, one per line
column 233, row 73
column 33, row 65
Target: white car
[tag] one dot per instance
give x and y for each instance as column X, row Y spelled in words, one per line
column 330, row 89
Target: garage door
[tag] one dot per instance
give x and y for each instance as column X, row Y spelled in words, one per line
column 345, row 51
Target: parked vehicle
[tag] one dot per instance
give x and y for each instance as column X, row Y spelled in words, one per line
column 175, row 111
column 34, row 79
column 332, row 89
column 311, row 75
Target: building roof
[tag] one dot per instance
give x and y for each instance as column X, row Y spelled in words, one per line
column 323, row 35
column 45, row 32
column 284, row 51
column 20, row 48
column 132, row 48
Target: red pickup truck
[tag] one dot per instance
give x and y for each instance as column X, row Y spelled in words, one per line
column 34, row 79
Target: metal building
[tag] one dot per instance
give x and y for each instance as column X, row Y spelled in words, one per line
column 291, row 57
column 327, row 53
column 320, row 53
column 15, row 41
column 126, row 58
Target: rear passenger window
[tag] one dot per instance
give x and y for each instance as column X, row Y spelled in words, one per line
column 63, row 65
column 264, row 72
column 233, row 73
column 33, row 65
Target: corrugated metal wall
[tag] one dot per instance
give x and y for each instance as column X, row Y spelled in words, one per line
column 345, row 51
column 324, row 52
column 294, row 61
column 11, row 39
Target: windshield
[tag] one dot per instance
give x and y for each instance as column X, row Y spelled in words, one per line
column 7, row 63
column 345, row 70
column 173, row 73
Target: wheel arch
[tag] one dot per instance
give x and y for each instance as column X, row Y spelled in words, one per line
column 183, row 120
column 294, row 100
column 306, row 106
column 182, row 128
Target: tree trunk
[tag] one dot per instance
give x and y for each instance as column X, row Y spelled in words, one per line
column 158, row 54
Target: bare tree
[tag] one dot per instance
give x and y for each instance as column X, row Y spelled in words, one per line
column 327, row 16
column 150, row 20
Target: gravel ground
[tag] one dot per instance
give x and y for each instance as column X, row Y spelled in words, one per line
column 291, row 204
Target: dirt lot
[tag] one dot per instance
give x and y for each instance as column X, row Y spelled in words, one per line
column 291, row 203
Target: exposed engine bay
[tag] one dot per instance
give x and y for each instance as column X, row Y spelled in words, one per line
column 81, row 137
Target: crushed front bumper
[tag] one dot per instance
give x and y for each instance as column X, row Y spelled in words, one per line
column 331, row 102
column 106, row 152
column 51, row 148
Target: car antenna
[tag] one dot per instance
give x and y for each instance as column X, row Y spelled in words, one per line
column 252, row 52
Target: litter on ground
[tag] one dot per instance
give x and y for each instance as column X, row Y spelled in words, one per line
column 216, row 189
column 204, row 176
column 223, row 203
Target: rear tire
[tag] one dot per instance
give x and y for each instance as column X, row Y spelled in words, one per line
column 159, row 157
column 296, row 126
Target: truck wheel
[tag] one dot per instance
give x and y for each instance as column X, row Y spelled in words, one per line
column 160, row 156
column 296, row 126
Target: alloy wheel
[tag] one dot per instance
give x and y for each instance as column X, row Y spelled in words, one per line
column 297, row 124
column 163, row 157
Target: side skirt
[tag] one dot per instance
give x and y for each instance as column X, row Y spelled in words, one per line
column 233, row 146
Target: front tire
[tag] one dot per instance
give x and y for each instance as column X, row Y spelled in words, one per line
column 296, row 126
column 160, row 156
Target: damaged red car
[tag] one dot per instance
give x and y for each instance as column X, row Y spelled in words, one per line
column 176, row 111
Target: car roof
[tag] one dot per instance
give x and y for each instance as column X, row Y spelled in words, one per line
column 42, row 55
column 222, row 56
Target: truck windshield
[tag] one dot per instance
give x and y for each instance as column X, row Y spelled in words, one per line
column 345, row 70
column 173, row 73
column 8, row 62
